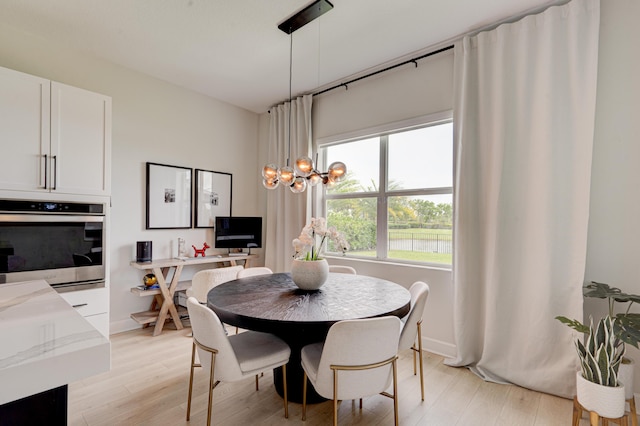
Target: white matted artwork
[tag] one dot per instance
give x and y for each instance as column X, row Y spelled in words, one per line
column 168, row 196
column 213, row 197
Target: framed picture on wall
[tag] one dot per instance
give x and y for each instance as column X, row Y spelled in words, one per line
column 168, row 196
column 213, row 197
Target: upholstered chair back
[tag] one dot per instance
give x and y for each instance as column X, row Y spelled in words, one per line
column 209, row 331
column 419, row 293
column 358, row 342
column 205, row 280
column 250, row 272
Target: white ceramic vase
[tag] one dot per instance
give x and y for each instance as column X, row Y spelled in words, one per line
column 625, row 376
column 309, row 274
column 607, row 401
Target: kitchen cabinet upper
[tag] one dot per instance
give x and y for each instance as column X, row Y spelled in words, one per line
column 54, row 137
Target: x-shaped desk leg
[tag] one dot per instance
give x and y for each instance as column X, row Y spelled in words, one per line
column 167, row 296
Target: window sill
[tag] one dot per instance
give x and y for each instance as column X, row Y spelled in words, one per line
column 395, row 262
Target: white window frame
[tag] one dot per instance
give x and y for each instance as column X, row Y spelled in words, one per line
column 382, row 131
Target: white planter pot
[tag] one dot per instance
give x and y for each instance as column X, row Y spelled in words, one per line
column 625, row 376
column 607, row 401
column 309, row 274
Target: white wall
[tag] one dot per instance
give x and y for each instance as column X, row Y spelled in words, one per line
column 156, row 122
column 614, row 224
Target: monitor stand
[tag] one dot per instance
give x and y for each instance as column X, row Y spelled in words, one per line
column 240, row 253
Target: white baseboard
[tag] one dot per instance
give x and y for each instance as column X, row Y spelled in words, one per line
column 439, row 347
column 122, row 326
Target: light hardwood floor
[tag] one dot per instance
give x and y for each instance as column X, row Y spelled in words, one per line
column 149, row 378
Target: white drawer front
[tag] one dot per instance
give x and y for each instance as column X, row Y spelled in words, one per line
column 88, row 302
column 100, row 322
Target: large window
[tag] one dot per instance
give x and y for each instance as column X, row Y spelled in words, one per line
column 396, row 202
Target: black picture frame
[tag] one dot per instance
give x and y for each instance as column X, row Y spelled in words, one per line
column 169, row 196
column 213, row 193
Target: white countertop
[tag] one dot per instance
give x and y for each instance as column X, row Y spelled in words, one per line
column 44, row 342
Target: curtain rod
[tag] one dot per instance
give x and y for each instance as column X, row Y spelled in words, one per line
column 410, row 61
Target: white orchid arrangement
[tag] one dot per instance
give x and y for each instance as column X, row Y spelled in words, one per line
column 305, row 245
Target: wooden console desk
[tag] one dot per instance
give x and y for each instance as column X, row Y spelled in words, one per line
column 162, row 303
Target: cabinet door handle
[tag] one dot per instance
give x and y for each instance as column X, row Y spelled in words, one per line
column 55, row 171
column 46, row 169
column 80, row 305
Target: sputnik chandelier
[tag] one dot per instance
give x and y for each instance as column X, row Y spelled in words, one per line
column 305, row 172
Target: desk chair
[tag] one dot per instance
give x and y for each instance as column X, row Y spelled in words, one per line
column 250, row 272
column 412, row 326
column 342, row 269
column 357, row 359
column 232, row 358
column 205, row 280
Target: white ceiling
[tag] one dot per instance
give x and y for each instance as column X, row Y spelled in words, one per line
column 232, row 50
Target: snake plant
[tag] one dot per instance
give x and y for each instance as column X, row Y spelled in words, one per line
column 600, row 355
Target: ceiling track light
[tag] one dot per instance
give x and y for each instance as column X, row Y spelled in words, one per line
column 304, row 173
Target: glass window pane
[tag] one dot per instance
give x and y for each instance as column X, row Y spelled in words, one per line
column 420, row 228
column 363, row 164
column 421, row 158
column 356, row 219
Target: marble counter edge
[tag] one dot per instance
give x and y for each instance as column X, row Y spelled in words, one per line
column 46, row 342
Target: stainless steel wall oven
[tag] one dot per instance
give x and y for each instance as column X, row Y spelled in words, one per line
column 60, row 242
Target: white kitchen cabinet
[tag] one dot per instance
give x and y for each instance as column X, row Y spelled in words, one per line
column 54, row 137
column 93, row 305
column 24, row 130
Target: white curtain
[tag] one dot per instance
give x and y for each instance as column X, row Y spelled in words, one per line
column 524, row 121
column 286, row 212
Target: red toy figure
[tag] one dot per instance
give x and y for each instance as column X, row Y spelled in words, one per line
column 200, row 251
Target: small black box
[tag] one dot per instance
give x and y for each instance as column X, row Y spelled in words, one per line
column 143, row 251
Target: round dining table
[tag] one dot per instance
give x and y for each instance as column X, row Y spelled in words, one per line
column 272, row 303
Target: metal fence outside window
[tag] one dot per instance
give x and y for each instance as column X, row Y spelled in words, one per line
column 420, row 242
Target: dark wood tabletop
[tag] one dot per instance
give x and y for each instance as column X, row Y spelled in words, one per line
column 274, row 304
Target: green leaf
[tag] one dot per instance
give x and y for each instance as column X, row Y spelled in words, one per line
column 575, row 324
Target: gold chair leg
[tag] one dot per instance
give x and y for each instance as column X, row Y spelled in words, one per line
column 284, row 383
column 211, row 386
column 395, row 392
column 335, row 397
column 304, row 396
column 420, row 357
column 414, row 358
column 193, row 359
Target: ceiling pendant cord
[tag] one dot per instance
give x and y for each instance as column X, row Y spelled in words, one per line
column 290, row 95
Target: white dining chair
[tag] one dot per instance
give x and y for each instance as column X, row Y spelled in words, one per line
column 412, row 327
column 205, row 280
column 250, row 272
column 342, row 269
column 358, row 359
column 231, row 358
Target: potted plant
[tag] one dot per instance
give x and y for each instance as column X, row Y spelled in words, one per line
column 625, row 327
column 597, row 385
column 309, row 270
column 626, row 324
